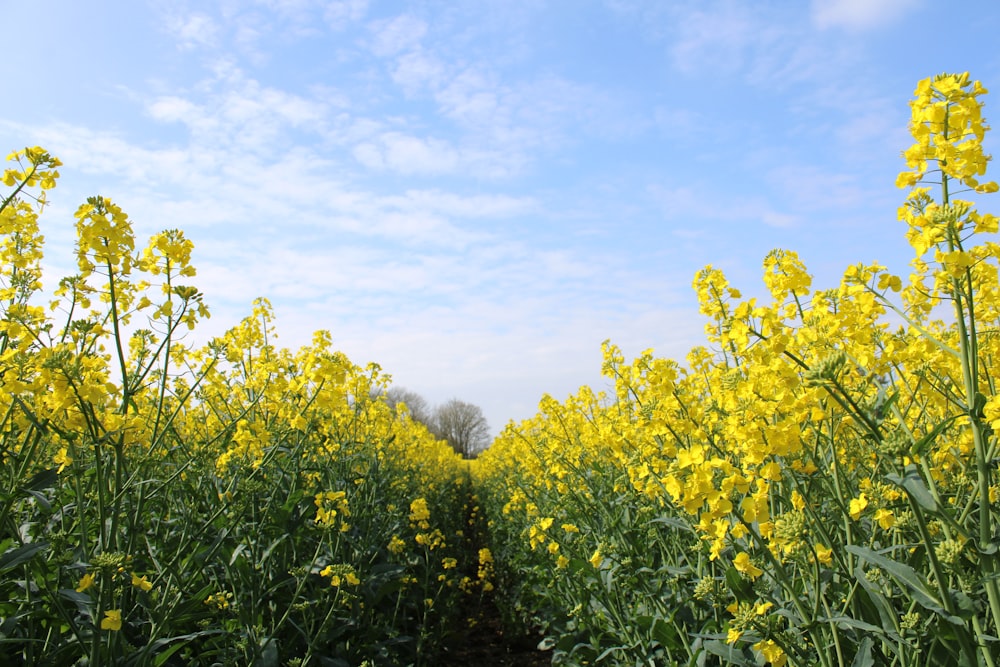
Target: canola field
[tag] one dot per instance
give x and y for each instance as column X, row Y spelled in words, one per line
column 816, row 485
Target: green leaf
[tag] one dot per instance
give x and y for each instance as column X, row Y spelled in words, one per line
column 732, row 654
column 608, row 653
column 675, row 522
column 913, row 483
column 46, row 479
column 741, row 588
column 161, row 658
column 547, row 644
column 269, row 654
column 884, row 608
column 908, row 578
column 664, row 633
column 22, row 554
column 270, row 549
column 237, row 552
column 848, row 622
column 978, row 404
column 40, row 498
column 864, row 657
column 177, row 643
column 965, row 605
column 921, row 446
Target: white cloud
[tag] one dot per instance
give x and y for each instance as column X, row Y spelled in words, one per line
column 194, row 30
column 680, row 203
column 810, row 189
column 473, row 206
column 471, row 98
column 237, row 112
column 393, row 36
column 172, row 109
column 369, row 155
column 718, row 38
column 860, row 14
column 403, row 153
column 408, row 155
column 338, row 14
column 779, row 220
column 769, row 45
column 417, row 71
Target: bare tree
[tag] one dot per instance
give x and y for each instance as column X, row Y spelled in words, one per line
column 415, row 404
column 463, row 426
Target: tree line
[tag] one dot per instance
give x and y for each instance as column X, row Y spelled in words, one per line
column 461, row 424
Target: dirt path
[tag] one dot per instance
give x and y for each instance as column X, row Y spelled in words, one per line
column 486, row 644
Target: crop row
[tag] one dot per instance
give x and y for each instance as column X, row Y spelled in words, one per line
column 816, row 486
column 232, row 504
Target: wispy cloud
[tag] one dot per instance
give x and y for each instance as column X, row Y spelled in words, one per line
column 408, row 155
column 339, row 14
column 860, row 14
column 398, row 34
column 723, row 37
column 193, row 30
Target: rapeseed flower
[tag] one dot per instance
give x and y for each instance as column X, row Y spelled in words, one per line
column 744, row 565
column 86, row 581
column 857, row 506
column 772, row 653
column 112, row 620
column 142, row 583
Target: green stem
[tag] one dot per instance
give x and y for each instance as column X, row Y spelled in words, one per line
column 941, row 580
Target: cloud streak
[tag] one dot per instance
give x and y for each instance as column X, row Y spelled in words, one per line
column 860, row 14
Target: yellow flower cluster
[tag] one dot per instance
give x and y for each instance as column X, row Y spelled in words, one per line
column 808, row 433
column 948, row 127
column 341, row 574
column 331, row 505
column 171, row 468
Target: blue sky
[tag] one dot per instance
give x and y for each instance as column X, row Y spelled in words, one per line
column 475, row 194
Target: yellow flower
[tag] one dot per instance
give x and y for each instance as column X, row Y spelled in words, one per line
column 597, row 559
column 772, row 653
column 857, row 506
column 824, row 554
column 142, row 583
column 219, row 600
column 907, row 179
column 340, row 574
column 743, row 564
column 112, row 620
column 62, row 459
column 798, row 502
column 86, row 581
column 992, row 413
column 771, row 471
column 885, row 518
column 419, row 511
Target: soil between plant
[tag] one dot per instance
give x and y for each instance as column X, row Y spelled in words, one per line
column 487, row 644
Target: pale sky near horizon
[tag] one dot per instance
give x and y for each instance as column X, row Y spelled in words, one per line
column 475, row 193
